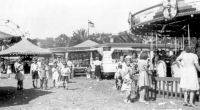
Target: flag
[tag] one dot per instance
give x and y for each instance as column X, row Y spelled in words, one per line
column 90, row 24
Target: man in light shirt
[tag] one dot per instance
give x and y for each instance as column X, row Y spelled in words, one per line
column 70, row 65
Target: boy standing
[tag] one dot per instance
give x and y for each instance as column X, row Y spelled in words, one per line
column 43, row 77
column 34, row 72
column 65, row 72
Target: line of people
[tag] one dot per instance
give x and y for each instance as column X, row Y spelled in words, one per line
column 61, row 73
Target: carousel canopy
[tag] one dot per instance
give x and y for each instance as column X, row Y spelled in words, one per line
column 174, row 18
column 24, row 47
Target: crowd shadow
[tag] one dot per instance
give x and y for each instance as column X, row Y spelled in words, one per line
column 9, row 96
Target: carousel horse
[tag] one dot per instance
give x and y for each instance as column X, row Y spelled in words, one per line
column 161, row 69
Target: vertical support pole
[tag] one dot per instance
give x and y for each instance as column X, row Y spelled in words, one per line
column 91, row 57
column 165, row 43
column 183, row 42
column 175, row 46
column 66, row 55
column 178, row 45
column 189, row 34
column 156, row 41
column 171, row 49
column 151, row 51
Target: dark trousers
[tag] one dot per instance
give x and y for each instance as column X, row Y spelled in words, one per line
column 43, row 81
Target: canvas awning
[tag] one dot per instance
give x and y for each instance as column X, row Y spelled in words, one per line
column 24, row 47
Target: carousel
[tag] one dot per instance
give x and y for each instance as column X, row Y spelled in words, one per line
column 177, row 21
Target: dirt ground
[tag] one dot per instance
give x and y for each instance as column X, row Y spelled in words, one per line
column 83, row 94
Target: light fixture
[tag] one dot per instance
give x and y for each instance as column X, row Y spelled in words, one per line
column 192, row 15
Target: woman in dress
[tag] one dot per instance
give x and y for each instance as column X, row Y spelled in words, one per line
column 98, row 65
column 189, row 79
column 143, row 79
column 19, row 68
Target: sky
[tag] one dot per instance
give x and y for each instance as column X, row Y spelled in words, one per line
column 50, row 18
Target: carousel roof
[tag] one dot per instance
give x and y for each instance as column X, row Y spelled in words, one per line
column 186, row 17
column 24, row 47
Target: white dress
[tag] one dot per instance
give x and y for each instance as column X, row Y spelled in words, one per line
column 189, row 78
column 55, row 74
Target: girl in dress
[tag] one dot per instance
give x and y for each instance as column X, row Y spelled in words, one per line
column 143, row 79
column 55, row 75
column 9, row 71
column 126, row 86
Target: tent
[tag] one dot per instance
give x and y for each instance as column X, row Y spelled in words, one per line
column 25, row 47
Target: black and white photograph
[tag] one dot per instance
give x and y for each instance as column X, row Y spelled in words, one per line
column 99, row 54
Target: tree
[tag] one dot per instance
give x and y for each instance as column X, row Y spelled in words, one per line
column 78, row 37
column 62, row 41
column 34, row 41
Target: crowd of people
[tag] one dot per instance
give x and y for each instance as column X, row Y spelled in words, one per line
column 39, row 70
column 127, row 70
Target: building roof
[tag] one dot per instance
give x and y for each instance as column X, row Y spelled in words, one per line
column 87, row 43
column 133, row 45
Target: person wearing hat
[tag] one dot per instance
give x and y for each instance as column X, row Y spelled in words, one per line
column 65, row 72
column 34, row 72
column 19, row 68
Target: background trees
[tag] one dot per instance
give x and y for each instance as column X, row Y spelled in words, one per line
column 81, row 35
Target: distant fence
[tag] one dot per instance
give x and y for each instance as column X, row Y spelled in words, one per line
column 167, row 87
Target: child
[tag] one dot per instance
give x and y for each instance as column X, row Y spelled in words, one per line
column 19, row 68
column 55, row 75
column 118, row 77
column 127, row 87
column 9, row 71
column 127, row 83
column 47, row 71
column 43, row 77
column 65, row 72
